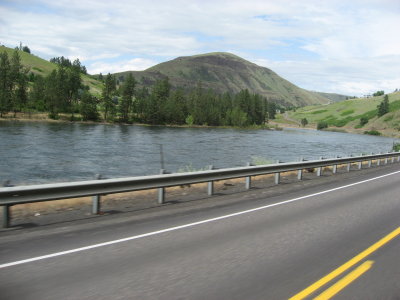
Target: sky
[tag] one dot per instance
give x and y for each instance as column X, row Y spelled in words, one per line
column 349, row 47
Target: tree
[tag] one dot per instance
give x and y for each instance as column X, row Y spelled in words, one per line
column 5, row 84
column 322, row 125
column 26, row 49
column 304, row 122
column 88, row 107
column 126, row 103
column 21, row 93
column 271, row 110
column 157, row 99
column 175, row 108
column 51, row 96
column 383, row 107
column 363, row 121
column 74, row 85
column 37, row 94
column 15, row 73
column 378, row 93
column 108, row 92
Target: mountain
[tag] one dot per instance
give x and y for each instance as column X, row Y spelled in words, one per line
column 332, row 96
column 42, row 67
column 225, row 72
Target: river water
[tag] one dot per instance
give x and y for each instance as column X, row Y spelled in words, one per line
column 35, row 152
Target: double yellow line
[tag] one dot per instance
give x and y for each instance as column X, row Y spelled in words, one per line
column 334, row 289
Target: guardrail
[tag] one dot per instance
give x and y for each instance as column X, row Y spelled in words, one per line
column 10, row 196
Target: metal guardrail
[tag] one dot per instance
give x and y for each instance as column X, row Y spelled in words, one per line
column 10, row 196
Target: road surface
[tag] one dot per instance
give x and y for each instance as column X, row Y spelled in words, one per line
column 340, row 240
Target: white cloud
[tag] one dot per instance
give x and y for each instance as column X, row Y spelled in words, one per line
column 346, row 41
column 136, row 64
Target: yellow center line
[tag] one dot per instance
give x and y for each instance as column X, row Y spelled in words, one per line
column 345, row 281
column 315, row 286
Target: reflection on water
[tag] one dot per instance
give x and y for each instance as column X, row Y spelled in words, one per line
column 50, row 152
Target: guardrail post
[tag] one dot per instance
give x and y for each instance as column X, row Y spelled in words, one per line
column 6, row 216
column 319, row 170
column 392, row 159
column 349, row 165
column 300, row 172
column 210, row 185
column 96, row 200
column 6, row 208
column 161, row 191
column 370, row 162
column 378, row 162
column 277, row 175
column 248, row 179
column 386, row 159
column 334, row 168
column 360, row 163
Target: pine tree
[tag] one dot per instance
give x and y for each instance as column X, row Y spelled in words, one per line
column 383, row 107
column 5, row 84
column 109, row 89
column 37, row 94
column 126, row 103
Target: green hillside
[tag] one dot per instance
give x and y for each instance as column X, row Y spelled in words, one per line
column 347, row 114
column 225, row 72
column 333, row 97
column 42, row 67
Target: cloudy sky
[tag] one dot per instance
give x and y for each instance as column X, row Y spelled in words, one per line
column 348, row 47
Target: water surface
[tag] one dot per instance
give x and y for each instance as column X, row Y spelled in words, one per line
column 35, row 152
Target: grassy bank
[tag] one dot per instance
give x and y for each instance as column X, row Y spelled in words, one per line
column 355, row 116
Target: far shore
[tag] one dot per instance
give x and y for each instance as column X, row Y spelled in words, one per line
column 271, row 125
column 386, row 132
column 64, row 118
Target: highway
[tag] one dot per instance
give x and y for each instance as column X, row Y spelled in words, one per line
column 339, row 239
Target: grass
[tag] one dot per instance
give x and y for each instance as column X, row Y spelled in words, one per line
column 349, row 113
column 42, row 67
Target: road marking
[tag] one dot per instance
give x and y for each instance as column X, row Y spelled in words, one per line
column 24, row 261
column 345, row 281
column 324, row 280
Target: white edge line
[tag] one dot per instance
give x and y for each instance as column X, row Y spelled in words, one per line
column 24, row 261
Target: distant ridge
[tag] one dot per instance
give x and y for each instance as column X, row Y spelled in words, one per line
column 332, row 96
column 226, row 72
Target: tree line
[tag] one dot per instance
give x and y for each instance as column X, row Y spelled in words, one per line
column 63, row 91
column 162, row 104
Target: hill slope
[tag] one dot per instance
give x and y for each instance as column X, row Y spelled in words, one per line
column 42, row 67
column 332, row 96
column 347, row 114
column 225, row 72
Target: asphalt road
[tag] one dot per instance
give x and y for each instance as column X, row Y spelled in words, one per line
column 261, row 248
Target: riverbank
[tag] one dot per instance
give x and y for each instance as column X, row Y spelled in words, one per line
column 385, row 131
column 66, row 118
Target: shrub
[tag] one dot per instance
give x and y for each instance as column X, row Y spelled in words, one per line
column 347, row 112
column 189, row 120
column 319, row 111
column 322, row 125
column 363, row 121
column 372, row 132
column 396, row 147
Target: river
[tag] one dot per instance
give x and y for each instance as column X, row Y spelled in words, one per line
column 36, row 152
